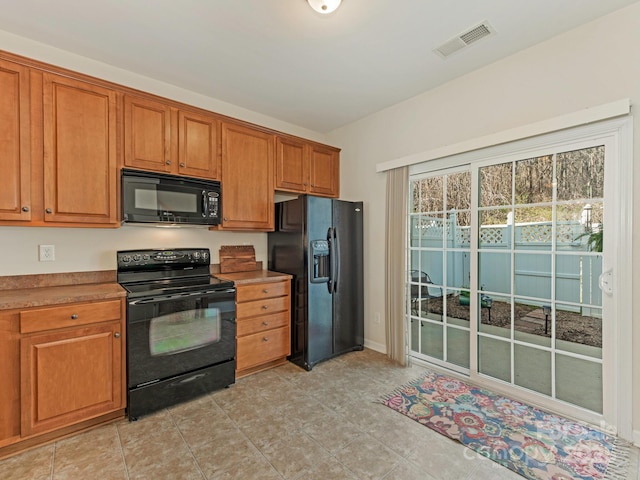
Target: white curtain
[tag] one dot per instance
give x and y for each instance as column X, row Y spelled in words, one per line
column 395, row 298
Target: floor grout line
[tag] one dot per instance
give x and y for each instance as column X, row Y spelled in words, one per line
column 53, row 460
column 124, row 459
column 175, row 425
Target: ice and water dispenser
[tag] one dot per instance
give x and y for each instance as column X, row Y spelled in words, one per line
column 320, row 255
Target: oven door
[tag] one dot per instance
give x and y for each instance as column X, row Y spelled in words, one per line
column 173, row 335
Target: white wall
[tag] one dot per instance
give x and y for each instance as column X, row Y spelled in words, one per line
column 88, row 249
column 589, row 66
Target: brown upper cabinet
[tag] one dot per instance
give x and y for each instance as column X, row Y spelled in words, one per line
column 162, row 138
column 64, row 137
column 305, row 167
column 15, row 158
column 247, row 178
column 80, row 163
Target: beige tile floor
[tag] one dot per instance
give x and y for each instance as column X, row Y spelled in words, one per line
column 284, row 423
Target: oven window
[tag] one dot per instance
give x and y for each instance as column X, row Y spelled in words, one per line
column 183, row 331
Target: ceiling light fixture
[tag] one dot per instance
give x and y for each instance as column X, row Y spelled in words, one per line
column 324, row 6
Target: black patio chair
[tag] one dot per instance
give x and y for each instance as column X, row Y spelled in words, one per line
column 423, row 291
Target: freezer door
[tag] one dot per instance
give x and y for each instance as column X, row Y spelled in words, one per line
column 348, row 301
column 319, row 306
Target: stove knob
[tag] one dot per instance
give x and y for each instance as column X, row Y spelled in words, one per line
column 145, row 257
column 126, row 259
column 205, row 255
column 137, row 257
column 196, row 255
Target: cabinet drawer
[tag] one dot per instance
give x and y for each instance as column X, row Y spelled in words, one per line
column 262, row 347
column 247, row 326
column 247, row 293
column 41, row 319
column 262, row 307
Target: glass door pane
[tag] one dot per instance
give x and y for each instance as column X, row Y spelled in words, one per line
column 539, row 258
column 439, row 268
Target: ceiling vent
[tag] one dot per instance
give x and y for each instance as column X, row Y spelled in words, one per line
column 465, row 39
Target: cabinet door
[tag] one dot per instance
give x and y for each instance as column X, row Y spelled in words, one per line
column 80, row 169
column 15, row 194
column 324, row 171
column 69, row 376
column 198, row 145
column 292, row 165
column 147, row 134
column 247, row 178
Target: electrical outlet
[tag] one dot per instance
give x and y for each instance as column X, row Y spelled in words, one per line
column 47, row 253
column 376, row 318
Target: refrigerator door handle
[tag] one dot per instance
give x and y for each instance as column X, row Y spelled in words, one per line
column 336, row 261
column 330, row 282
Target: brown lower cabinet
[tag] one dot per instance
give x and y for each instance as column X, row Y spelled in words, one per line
column 263, row 333
column 63, row 369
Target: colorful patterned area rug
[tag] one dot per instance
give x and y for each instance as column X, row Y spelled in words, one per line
column 533, row 443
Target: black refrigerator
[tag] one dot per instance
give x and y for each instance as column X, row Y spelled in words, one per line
column 319, row 241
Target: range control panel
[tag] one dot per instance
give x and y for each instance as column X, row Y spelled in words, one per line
column 134, row 259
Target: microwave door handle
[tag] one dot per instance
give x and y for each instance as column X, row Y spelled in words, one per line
column 205, row 213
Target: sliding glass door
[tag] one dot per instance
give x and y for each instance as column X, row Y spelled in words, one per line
column 508, row 277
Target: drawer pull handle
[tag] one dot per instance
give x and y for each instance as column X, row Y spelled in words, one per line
column 265, row 323
column 116, row 335
column 74, row 316
column 265, row 339
column 266, row 290
column 264, row 307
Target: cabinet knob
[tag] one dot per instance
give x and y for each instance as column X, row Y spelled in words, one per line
column 313, row 185
column 265, row 307
column 182, row 164
column 168, row 162
column 48, row 210
column 265, row 324
column 305, row 184
column 226, row 219
column 266, row 290
column 74, row 316
column 116, row 335
column 265, row 339
column 25, row 209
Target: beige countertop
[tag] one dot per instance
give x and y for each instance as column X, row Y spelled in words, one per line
column 254, row 276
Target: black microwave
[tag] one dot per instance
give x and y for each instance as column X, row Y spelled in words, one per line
column 149, row 197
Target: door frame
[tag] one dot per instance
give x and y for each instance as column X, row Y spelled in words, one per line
column 617, row 342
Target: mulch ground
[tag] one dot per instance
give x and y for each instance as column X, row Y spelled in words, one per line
column 570, row 326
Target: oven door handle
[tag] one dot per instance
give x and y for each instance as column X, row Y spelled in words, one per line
column 163, row 298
